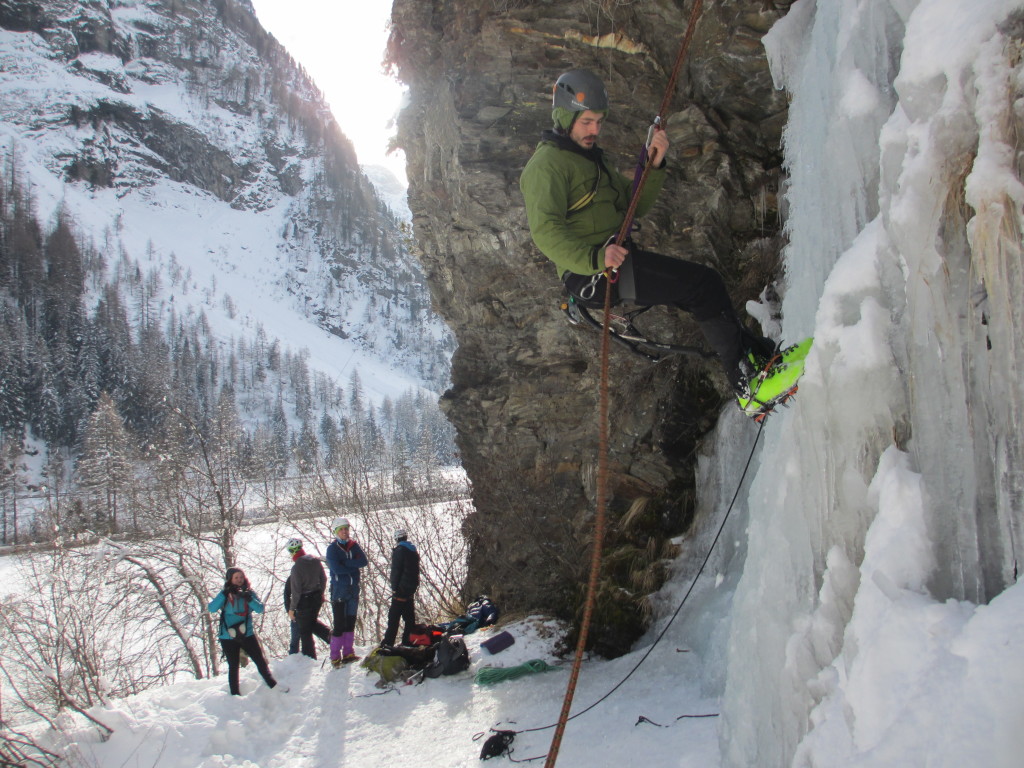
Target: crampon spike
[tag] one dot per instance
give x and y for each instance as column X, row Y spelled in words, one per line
column 771, row 405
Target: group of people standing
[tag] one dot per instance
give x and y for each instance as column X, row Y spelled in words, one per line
column 305, row 592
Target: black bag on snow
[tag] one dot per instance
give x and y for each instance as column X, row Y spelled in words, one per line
column 419, row 657
column 451, row 657
column 425, row 634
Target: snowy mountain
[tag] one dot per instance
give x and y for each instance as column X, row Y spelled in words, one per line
column 391, row 190
column 181, row 136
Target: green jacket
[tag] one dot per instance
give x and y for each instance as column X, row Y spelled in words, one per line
column 558, row 176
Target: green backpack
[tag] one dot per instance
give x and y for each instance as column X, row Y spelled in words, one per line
column 390, row 668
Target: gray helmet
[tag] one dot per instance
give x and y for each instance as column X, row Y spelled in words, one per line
column 578, row 90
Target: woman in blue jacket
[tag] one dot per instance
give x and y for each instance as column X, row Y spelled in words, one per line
column 237, row 604
column 344, row 558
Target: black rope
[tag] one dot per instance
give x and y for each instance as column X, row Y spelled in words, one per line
column 645, row 719
column 675, row 614
column 389, row 689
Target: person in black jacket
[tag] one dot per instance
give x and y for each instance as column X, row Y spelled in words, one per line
column 405, row 578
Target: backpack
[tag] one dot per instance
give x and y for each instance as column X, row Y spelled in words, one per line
column 390, row 668
column 418, row 657
column 483, row 611
column 425, row 635
column 451, row 657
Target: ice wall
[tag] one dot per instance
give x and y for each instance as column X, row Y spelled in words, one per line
column 904, row 263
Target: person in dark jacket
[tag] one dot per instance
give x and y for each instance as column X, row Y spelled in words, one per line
column 237, row 603
column 405, row 578
column 304, row 594
column 576, row 203
column 345, row 558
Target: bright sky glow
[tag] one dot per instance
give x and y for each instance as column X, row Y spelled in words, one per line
column 341, row 45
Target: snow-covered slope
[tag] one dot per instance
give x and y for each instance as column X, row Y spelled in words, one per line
column 182, row 136
column 391, row 190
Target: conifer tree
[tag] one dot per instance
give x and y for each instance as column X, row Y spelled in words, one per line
column 65, row 284
column 105, row 467
column 13, row 409
column 330, row 437
column 279, row 440
column 10, row 487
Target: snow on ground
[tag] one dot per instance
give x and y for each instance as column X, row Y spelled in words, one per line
column 919, row 662
column 338, row 717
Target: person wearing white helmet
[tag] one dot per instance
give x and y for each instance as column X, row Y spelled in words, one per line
column 345, row 558
column 304, row 595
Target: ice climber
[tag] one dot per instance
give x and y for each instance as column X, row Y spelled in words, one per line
column 575, row 205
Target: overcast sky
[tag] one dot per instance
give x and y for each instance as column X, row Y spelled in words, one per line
column 341, row 45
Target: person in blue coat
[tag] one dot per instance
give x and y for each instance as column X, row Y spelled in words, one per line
column 344, row 558
column 237, row 603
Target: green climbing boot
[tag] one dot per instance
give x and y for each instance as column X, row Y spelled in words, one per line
column 791, row 354
column 797, row 352
column 771, row 387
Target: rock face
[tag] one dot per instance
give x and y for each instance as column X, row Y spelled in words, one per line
column 525, row 382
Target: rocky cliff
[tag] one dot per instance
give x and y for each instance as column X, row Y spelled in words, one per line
column 525, row 382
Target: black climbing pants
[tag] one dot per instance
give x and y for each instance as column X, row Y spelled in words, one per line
column 404, row 610
column 307, row 617
column 659, row 280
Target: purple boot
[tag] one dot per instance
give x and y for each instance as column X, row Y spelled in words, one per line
column 336, row 644
column 348, row 651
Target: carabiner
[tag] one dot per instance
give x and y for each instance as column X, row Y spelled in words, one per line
column 650, row 131
column 588, row 290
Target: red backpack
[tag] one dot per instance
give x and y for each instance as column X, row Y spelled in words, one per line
column 423, row 634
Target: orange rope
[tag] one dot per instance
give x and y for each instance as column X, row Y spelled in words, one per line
column 602, row 456
column 599, row 523
column 627, row 222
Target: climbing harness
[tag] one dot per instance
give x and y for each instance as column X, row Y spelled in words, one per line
column 625, row 332
column 602, row 464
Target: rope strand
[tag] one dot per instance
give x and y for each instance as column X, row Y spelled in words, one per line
column 602, row 459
